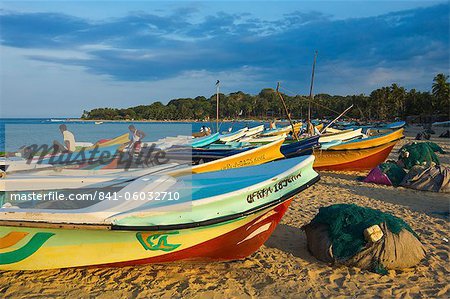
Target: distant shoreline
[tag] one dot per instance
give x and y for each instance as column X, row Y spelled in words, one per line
column 159, row 121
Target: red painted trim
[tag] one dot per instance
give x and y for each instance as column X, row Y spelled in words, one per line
column 229, row 246
column 365, row 163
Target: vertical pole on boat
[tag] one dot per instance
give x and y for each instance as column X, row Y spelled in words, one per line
column 311, row 95
column 294, row 134
column 217, row 104
column 309, row 125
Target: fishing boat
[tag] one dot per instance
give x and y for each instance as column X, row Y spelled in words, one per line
column 203, row 155
column 76, row 180
column 98, row 122
column 253, row 131
column 263, row 139
column 301, row 147
column 341, row 136
column 225, row 215
column 233, row 135
column 45, row 160
column 441, row 124
column 360, row 154
column 204, row 141
column 253, row 156
column 395, row 125
column 228, row 145
column 282, row 131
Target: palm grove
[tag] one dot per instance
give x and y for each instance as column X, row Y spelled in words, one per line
column 382, row 104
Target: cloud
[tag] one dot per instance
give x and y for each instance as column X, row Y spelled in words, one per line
column 142, row 46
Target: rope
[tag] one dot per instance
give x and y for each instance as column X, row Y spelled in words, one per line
column 314, row 103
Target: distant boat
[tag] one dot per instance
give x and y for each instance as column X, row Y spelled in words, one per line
column 56, row 120
column 98, row 122
column 442, row 124
column 395, row 125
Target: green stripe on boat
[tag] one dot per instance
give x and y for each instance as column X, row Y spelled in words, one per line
column 25, row 251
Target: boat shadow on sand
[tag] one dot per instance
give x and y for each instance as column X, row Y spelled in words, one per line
column 290, row 239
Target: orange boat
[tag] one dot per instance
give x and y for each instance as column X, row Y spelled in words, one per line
column 362, row 154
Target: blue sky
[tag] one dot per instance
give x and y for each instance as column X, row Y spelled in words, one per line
column 58, row 58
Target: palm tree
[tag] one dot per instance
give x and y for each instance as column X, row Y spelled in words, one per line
column 441, row 92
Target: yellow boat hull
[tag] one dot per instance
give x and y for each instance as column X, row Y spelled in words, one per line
column 259, row 155
column 369, row 142
column 361, row 154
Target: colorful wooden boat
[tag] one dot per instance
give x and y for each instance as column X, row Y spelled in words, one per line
column 289, row 150
column 204, row 141
column 228, row 145
column 342, row 136
column 254, row 156
column 263, row 139
column 299, row 148
column 395, row 125
column 370, row 142
column 255, row 130
column 76, row 158
column 75, row 180
column 226, row 215
column 233, row 136
column 202, row 155
column 363, row 154
column 282, row 131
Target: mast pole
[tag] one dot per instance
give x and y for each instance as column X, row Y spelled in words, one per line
column 294, row 134
column 311, row 95
column 217, row 106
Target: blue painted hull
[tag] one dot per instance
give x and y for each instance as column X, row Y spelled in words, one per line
column 300, row 148
column 204, row 141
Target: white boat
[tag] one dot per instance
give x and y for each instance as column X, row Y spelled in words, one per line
column 233, row 135
column 78, row 179
column 263, row 139
column 98, row 122
column 342, row 136
column 253, row 131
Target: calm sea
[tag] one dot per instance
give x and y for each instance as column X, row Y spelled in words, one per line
column 16, row 132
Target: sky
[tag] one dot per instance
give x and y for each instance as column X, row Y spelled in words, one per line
column 58, row 58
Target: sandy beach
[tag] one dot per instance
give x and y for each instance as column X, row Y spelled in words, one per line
column 283, row 267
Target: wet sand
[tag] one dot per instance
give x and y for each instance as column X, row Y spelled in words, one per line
column 283, row 267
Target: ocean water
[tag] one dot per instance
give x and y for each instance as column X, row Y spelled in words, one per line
column 17, row 132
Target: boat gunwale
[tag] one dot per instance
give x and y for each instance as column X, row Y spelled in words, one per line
column 113, row 227
column 361, row 148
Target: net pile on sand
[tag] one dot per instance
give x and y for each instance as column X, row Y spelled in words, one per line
column 364, row 238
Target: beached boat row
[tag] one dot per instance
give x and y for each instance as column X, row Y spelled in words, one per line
column 223, row 207
column 219, row 215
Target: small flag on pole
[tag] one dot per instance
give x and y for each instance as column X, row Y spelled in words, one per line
column 217, row 83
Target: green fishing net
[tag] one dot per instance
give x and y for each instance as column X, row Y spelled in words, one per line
column 419, row 153
column 394, row 172
column 347, row 223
